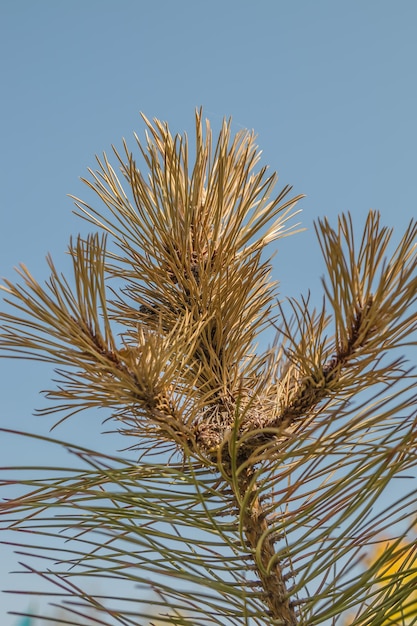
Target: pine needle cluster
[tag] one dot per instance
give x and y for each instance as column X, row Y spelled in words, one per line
column 256, row 480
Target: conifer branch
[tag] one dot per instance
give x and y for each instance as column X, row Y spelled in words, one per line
column 278, row 458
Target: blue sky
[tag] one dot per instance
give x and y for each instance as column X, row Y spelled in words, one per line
column 329, row 87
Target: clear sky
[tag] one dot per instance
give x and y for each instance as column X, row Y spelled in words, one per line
column 329, row 87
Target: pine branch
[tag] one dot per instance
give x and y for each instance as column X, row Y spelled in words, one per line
column 279, row 459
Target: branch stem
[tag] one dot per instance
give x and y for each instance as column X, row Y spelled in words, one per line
column 261, row 544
